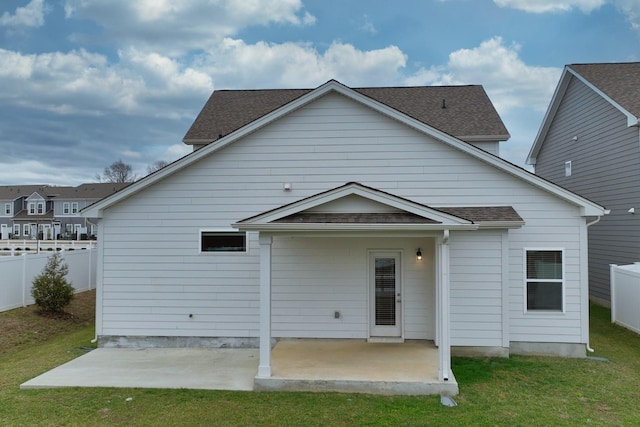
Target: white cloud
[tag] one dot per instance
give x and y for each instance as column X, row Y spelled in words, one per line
column 631, row 9
column 173, row 28
column 236, row 64
column 521, row 93
column 79, row 82
column 509, row 81
column 544, row 6
column 31, row 15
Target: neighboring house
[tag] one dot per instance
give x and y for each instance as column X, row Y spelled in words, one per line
column 48, row 212
column 343, row 213
column 589, row 143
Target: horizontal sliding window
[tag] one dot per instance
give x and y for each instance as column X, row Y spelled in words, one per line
column 223, row 241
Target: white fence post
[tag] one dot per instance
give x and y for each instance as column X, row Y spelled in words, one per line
column 612, row 281
column 24, row 279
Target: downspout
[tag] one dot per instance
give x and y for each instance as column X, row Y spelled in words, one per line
column 95, row 335
column 589, row 224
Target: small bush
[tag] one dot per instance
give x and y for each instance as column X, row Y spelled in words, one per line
column 51, row 289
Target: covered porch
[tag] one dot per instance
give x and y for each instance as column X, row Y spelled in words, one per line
column 356, row 366
column 365, row 246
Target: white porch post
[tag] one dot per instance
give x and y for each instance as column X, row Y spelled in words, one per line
column 444, row 346
column 264, row 366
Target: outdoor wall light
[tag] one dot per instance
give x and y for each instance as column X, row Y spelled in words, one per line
column 419, row 255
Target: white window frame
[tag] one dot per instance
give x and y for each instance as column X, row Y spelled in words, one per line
column 8, row 209
column 223, row 230
column 74, row 207
column 40, row 208
column 26, row 229
column 567, row 168
column 32, row 208
column 66, row 208
column 16, row 229
column 526, row 280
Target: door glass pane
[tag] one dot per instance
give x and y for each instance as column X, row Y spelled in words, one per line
column 385, row 281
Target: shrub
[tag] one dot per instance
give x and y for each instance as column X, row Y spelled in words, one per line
column 51, row 289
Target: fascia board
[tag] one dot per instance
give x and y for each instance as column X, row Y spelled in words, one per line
column 484, row 138
column 501, row 224
column 303, row 227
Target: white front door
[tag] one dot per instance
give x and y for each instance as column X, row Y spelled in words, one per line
column 46, row 232
column 386, row 296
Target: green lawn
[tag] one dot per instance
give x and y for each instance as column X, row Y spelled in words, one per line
column 531, row 391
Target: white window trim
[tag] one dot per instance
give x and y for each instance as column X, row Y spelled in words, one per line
column 222, row 230
column 32, row 208
column 8, row 211
column 16, row 229
column 26, row 229
column 74, row 208
column 567, row 168
column 66, row 208
column 40, row 209
column 525, row 282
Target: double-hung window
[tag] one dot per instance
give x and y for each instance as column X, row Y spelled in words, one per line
column 74, row 207
column 223, row 241
column 32, row 208
column 40, row 208
column 16, row 229
column 544, row 280
column 7, row 209
column 65, row 208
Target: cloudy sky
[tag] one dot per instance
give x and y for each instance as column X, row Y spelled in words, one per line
column 84, row 83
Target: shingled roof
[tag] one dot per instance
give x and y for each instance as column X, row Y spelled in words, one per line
column 462, row 111
column 619, row 81
column 90, row 191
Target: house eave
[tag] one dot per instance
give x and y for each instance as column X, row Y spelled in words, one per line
column 483, row 138
column 351, row 227
column 501, row 224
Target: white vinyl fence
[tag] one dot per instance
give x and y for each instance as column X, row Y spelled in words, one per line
column 17, row 274
column 625, row 295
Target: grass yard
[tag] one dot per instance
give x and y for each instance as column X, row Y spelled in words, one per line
column 532, row 391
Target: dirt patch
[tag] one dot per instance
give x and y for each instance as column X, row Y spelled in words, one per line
column 24, row 326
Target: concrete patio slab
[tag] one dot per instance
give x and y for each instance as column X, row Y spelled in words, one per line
column 409, row 368
column 354, row 366
column 193, row 368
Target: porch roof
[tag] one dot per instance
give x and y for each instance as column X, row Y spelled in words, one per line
column 389, row 213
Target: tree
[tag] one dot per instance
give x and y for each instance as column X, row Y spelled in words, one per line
column 155, row 166
column 117, row 172
column 51, row 289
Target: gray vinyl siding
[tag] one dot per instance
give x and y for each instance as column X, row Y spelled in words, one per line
column 605, row 168
column 154, row 276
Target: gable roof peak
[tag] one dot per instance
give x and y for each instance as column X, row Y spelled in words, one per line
column 470, row 114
